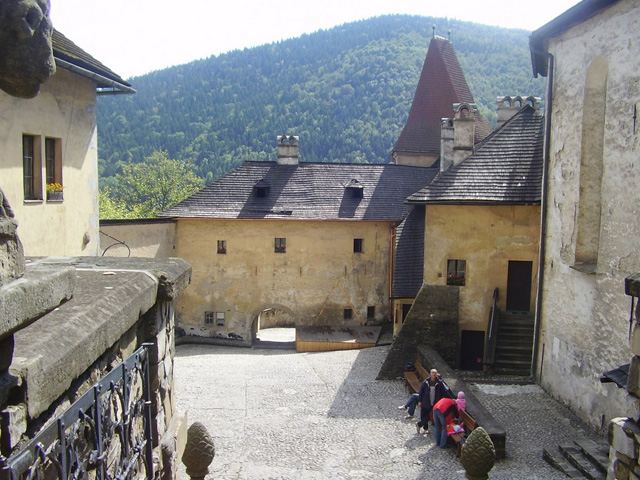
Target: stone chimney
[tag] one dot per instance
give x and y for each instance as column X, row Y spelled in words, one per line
column 464, row 128
column 446, row 143
column 287, row 150
column 508, row 106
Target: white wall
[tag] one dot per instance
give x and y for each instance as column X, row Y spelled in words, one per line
column 64, row 109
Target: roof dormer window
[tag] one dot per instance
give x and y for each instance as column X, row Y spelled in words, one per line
column 261, row 189
column 355, row 189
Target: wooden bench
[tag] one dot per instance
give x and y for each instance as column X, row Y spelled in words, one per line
column 414, row 378
column 469, row 425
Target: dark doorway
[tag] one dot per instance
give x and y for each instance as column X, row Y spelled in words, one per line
column 471, row 350
column 519, row 286
column 405, row 310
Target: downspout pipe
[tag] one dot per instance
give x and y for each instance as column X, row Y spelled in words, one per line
column 112, row 87
column 543, row 210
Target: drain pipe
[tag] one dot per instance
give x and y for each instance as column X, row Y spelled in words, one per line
column 543, row 212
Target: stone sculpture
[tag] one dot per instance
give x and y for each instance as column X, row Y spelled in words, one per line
column 26, row 54
column 478, row 455
column 198, row 452
column 12, row 263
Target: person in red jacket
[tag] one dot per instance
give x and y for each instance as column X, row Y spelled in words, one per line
column 444, row 411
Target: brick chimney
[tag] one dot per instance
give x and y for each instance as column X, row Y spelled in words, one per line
column 508, row 106
column 287, row 150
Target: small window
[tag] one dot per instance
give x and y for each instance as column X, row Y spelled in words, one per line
column 355, row 189
column 357, row 245
column 371, row 312
column 348, row 313
column 222, row 246
column 456, row 271
column 53, row 169
column 208, row 318
column 31, row 167
column 220, row 319
column 261, row 189
column 280, row 245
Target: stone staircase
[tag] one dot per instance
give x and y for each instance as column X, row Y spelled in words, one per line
column 585, row 458
column 514, row 344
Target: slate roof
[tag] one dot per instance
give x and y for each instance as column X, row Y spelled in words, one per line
column 505, row 168
column 441, row 84
column 409, row 255
column 307, row 191
column 65, row 49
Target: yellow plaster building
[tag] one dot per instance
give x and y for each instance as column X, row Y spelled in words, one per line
column 482, row 227
column 52, row 139
column 309, row 243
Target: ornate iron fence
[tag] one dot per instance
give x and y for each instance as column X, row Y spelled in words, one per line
column 104, row 435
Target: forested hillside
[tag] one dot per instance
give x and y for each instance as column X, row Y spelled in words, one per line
column 345, row 91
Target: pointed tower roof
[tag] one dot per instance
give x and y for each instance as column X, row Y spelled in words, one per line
column 441, row 84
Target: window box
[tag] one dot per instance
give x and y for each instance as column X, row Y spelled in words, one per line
column 54, row 196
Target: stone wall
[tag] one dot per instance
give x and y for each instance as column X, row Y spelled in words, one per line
column 584, row 323
column 624, row 438
column 432, row 321
column 117, row 305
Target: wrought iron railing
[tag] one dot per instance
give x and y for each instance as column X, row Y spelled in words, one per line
column 104, row 435
column 492, row 334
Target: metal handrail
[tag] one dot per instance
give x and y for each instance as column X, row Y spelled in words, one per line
column 494, row 318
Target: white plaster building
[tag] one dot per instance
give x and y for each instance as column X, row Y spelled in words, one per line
column 52, row 139
column 591, row 232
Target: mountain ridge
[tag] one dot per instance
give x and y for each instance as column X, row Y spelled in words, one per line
column 345, row 91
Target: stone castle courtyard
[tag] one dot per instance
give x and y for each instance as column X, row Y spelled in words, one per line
column 278, row 414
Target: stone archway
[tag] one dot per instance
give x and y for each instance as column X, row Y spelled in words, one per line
column 277, row 324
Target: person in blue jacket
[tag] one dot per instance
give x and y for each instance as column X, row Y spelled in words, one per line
column 431, row 391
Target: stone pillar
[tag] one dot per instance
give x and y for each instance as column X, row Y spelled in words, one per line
column 624, row 438
column 12, row 267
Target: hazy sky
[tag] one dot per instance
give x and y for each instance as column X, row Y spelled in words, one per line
column 133, row 37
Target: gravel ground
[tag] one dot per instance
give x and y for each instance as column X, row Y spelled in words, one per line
column 278, row 414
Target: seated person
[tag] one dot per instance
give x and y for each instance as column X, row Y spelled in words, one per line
column 410, row 406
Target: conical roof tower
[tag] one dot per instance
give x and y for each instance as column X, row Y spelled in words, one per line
column 441, row 84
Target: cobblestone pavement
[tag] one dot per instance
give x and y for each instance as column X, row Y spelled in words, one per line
column 278, row 414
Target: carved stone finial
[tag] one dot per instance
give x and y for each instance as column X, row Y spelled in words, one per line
column 26, row 54
column 198, row 452
column 478, row 455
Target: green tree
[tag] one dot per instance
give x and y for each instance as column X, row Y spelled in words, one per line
column 144, row 189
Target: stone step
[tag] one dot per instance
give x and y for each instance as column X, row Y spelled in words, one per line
column 597, row 452
column 516, row 329
column 577, row 458
column 512, row 358
column 559, row 462
column 513, row 347
column 516, row 322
